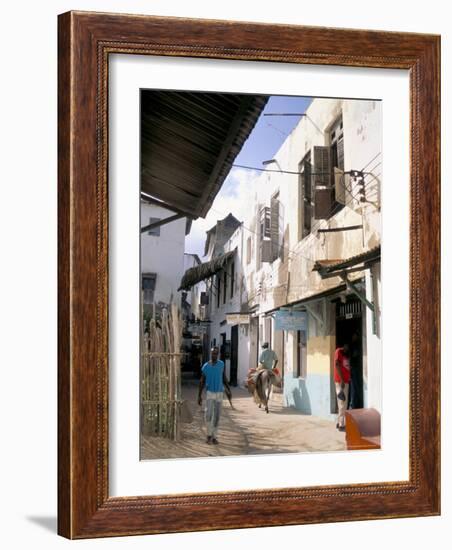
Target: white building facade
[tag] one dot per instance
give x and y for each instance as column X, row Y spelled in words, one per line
column 161, row 271
column 307, row 258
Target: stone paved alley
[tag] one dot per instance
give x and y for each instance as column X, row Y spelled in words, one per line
column 246, row 430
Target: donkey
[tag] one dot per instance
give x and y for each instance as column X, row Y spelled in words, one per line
column 264, row 382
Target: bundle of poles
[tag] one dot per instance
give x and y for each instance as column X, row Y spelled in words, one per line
column 161, row 374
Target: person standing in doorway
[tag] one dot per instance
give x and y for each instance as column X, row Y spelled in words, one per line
column 213, row 378
column 342, row 382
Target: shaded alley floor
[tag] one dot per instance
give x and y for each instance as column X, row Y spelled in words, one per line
column 246, row 430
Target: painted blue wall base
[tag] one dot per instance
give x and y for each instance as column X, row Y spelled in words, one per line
column 310, row 395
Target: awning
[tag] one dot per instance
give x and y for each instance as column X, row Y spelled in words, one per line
column 189, row 141
column 299, row 304
column 333, row 268
column 203, row 271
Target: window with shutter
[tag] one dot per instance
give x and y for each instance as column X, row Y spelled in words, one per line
column 265, row 223
column 281, row 231
column 225, row 285
column 337, row 164
column 155, row 231
column 322, row 170
column 340, row 152
column 148, row 281
column 323, row 203
column 232, row 278
column 339, row 185
column 305, row 186
column 266, row 251
column 323, row 198
column 217, row 288
column 248, row 250
column 265, row 242
column 275, row 226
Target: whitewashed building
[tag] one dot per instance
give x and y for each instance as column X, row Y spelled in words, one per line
column 162, row 256
column 307, row 258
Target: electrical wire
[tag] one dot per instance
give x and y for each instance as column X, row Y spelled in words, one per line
column 277, row 129
column 314, row 228
column 291, row 251
column 354, row 196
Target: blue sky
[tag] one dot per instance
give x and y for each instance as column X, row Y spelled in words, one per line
column 271, row 131
column 264, row 141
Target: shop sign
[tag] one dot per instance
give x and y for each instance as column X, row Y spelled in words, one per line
column 197, row 328
column 290, row 320
column 237, row 318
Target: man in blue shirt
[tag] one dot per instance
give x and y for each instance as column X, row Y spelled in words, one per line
column 214, row 380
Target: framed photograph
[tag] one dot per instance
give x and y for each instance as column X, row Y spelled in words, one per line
column 248, row 275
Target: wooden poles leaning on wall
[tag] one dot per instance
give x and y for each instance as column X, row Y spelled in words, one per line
column 161, row 374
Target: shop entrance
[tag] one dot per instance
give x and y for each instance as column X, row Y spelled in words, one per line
column 349, row 330
column 234, row 354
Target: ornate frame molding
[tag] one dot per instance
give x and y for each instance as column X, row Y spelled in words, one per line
column 85, row 42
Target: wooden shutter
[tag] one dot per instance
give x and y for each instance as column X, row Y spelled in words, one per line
column 339, row 185
column 265, row 243
column 340, row 152
column 323, row 192
column 266, row 251
column 307, row 198
column 274, row 226
column 232, row 278
column 281, row 231
column 322, row 170
column 218, row 289
column 267, row 222
column 225, row 285
column 248, row 250
column 323, row 203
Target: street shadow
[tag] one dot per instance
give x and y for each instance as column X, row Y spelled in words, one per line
column 278, row 451
column 288, row 411
column 301, row 398
column 49, row 523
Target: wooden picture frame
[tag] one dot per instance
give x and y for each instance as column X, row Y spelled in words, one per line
column 86, row 40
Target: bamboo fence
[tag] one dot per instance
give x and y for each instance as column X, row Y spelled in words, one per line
column 161, row 374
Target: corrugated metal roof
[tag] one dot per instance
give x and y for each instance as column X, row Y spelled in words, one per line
column 189, row 141
column 329, row 266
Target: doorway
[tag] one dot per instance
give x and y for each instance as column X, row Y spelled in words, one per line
column 302, row 355
column 234, row 354
column 223, row 347
column 349, row 330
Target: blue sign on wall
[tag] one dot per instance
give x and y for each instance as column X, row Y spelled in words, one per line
column 290, row 320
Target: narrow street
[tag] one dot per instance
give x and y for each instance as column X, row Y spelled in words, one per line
column 246, row 430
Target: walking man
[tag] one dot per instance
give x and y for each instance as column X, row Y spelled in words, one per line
column 342, row 382
column 214, row 380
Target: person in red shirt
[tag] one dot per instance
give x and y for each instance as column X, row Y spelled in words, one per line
column 342, row 382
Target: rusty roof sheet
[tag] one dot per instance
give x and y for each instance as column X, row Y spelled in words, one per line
column 329, row 266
